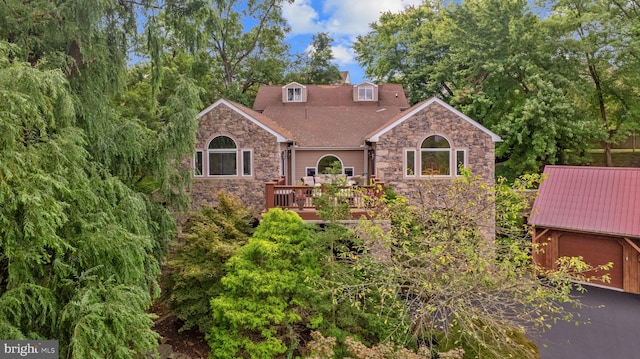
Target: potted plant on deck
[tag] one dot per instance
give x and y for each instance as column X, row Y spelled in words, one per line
column 301, row 198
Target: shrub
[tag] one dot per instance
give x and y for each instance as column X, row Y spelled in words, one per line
column 323, row 348
column 268, row 296
column 210, row 237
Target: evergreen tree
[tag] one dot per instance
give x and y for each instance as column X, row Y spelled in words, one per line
column 85, row 189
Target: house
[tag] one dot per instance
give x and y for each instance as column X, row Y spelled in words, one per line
column 593, row 212
column 297, row 131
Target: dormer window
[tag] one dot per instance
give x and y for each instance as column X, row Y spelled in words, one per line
column 294, row 92
column 365, row 93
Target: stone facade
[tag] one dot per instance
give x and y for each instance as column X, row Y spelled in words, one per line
column 266, row 161
column 435, row 119
column 275, row 149
column 432, row 120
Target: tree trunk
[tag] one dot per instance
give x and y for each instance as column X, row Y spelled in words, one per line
column 606, row 146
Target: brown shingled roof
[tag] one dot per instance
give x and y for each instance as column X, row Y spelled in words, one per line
column 330, row 117
column 255, row 116
column 602, row 200
column 399, row 118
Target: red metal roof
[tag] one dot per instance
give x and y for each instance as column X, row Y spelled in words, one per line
column 589, row 199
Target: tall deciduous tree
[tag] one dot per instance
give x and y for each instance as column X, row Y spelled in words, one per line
column 243, row 40
column 458, row 288
column 85, row 189
column 600, row 39
column 489, row 59
column 315, row 66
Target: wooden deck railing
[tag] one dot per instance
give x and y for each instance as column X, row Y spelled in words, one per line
column 301, row 197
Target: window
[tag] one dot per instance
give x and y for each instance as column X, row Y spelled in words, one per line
column 294, row 94
column 246, row 163
column 328, row 162
column 435, row 156
column 410, row 163
column 311, row 171
column 365, row 93
column 348, row 171
column 461, row 161
column 197, row 164
column 223, row 157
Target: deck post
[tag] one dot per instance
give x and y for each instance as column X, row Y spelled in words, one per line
column 269, row 193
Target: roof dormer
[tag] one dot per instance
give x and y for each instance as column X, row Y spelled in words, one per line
column 294, row 92
column 365, row 91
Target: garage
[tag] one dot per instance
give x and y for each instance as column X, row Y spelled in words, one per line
column 595, row 251
column 593, row 213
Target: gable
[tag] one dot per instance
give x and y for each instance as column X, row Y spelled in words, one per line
column 589, row 199
column 281, row 134
column 404, row 116
column 365, row 91
column 294, row 92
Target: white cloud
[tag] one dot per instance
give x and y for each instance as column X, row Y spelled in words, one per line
column 343, row 54
column 302, row 17
column 343, row 20
column 339, row 17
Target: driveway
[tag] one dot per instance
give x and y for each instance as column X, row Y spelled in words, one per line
column 612, row 333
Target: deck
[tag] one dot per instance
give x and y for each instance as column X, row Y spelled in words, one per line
column 300, row 199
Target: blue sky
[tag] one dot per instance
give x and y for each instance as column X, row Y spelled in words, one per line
column 343, row 20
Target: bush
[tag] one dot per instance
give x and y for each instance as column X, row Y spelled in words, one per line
column 323, row 348
column 268, row 298
column 210, row 237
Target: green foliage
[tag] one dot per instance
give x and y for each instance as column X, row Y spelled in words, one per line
column 331, row 202
column 268, row 290
column 497, row 62
column 85, row 189
column 513, row 201
column 598, row 40
column 209, row 238
column 410, row 290
column 315, row 65
column 323, row 348
column 70, row 232
column 436, row 266
column 105, row 310
column 240, row 43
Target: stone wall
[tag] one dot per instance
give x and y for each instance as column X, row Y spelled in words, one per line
column 223, row 120
column 434, row 120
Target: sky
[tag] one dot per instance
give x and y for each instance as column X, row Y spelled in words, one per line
column 343, row 20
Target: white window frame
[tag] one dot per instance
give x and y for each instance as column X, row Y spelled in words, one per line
column 330, row 155
column 195, row 164
column 464, row 160
column 409, row 166
column 308, row 171
column 234, row 151
column 250, row 152
column 448, row 150
column 344, row 170
column 364, row 92
column 294, row 94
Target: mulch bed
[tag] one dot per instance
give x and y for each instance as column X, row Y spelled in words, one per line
column 189, row 342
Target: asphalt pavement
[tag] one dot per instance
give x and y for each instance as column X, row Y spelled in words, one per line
column 612, row 331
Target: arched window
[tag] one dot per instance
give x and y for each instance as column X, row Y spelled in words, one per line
column 327, row 162
column 435, row 156
column 223, row 157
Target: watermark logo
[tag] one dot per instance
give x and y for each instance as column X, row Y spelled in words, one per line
column 32, row 349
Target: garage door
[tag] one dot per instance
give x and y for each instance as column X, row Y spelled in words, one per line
column 595, row 251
